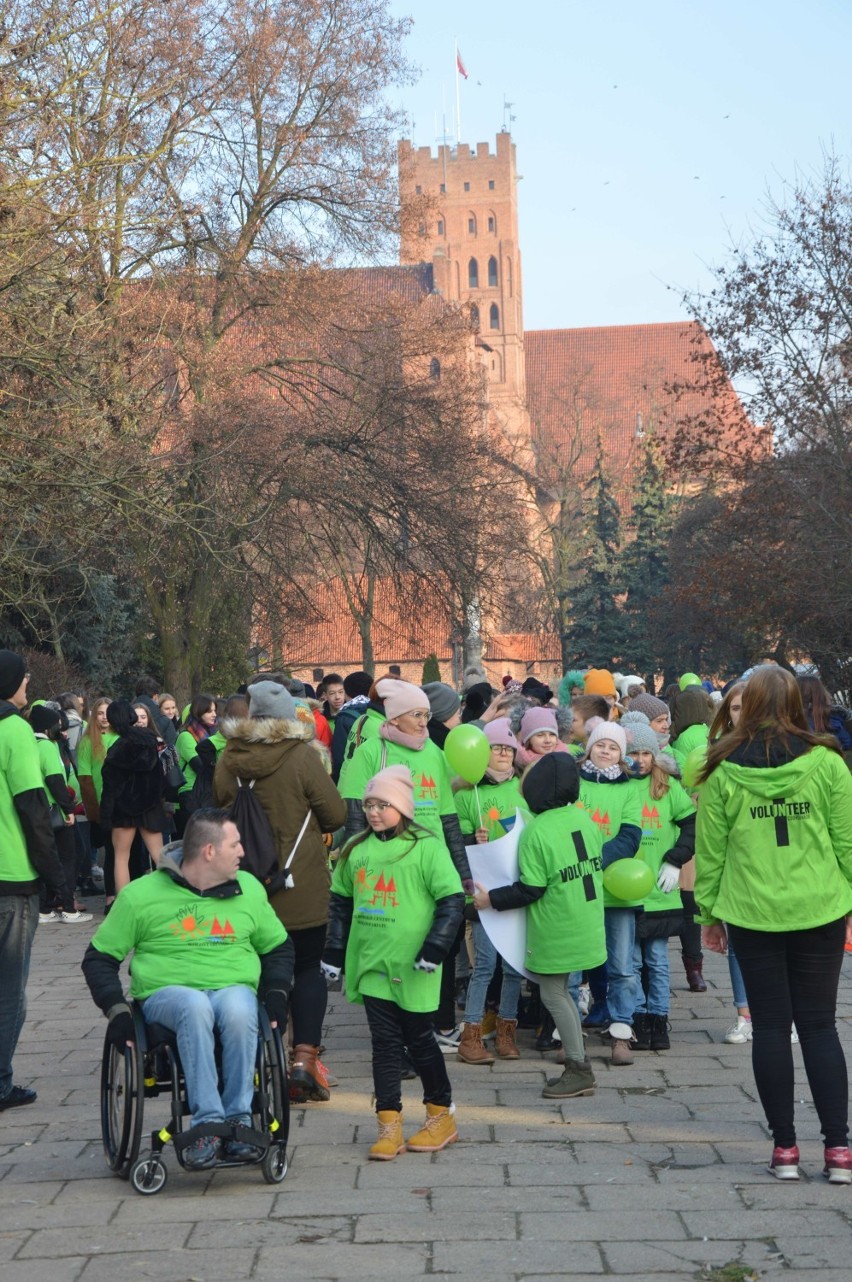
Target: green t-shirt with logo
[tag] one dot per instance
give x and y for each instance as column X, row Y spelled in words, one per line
column 180, row 937
column 365, row 727
column 561, row 849
column 496, row 802
column 20, row 771
column 89, row 764
column 659, row 833
column 394, row 886
column 433, row 795
column 610, row 805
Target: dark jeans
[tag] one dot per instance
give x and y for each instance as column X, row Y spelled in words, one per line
column 68, row 852
column 309, row 998
column 690, row 931
column 392, row 1030
column 792, row 977
column 18, row 921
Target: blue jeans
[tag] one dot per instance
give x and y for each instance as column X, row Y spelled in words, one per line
column 18, row 921
column 654, row 954
column 193, row 1016
column 737, row 981
column 620, row 924
column 485, row 960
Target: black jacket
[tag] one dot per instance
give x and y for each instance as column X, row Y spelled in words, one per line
column 133, row 779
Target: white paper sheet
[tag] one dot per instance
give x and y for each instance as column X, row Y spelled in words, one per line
column 496, row 864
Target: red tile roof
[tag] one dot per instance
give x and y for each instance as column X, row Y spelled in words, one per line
column 618, row 381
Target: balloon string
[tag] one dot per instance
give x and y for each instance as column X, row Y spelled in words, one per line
column 478, row 806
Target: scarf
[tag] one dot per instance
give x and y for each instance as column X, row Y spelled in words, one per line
column 593, row 772
column 394, row 735
column 525, row 756
column 499, row 776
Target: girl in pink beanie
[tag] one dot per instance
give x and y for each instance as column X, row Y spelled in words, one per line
column 395, row 910
column 538, row 735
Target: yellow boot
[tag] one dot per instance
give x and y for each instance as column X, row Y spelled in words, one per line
column 391, row 1141
column 439, row 1131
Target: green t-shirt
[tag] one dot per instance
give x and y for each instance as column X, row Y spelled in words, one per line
column 180, row 937
column 51, row 763
column 659, row 833
column 186, row 747
column 433, row 795
column 561, row 849
column 88, row 764
column 497, row 803
column 692, row 737
column 20, row 771
column 394, row 886
column 610, row 805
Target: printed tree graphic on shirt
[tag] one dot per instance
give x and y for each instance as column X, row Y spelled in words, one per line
column 385, row 891
column 650, row 817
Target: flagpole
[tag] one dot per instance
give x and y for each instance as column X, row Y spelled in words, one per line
column 458, row 96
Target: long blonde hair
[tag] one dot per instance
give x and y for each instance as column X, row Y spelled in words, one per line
column 93, row 730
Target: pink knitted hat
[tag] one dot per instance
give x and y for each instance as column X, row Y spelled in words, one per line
column 393, row 785
column 608, row 730
column 400, row 697
column 536, row 719
column 500, row 731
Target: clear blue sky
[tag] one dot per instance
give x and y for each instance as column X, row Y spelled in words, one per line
column 647, row 134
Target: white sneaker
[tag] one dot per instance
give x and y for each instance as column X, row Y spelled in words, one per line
column 584, row 999
column 449, row 1042
column 794, row 1036
column 96, row 873
column 45, row 919
column 739, row 1032
column 74, row 917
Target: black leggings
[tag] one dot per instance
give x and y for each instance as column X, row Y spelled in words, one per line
column 690, row 931
column 391, row 1031
column 309, row 998
column 791, row 977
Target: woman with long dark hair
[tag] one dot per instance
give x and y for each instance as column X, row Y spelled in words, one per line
column 133, row 785
column 774, row 861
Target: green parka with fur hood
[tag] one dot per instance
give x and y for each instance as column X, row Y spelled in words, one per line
column 286, row 762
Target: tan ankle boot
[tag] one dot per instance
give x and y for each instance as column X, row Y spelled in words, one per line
column 391, row 1141
column 505, row 1044
column 471, row 1049
column 439, row 1131
column 306, row 1082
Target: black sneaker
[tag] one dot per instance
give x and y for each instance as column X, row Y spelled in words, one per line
column 659, row 1033
column 17, row 1097
column 202, row 1154
column 642, row 1032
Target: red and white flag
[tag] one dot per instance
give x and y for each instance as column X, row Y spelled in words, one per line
column 460, row 67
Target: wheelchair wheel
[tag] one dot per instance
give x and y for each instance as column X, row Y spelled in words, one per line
column 148, row 1174
column 122, row 1100
column 274, row 1164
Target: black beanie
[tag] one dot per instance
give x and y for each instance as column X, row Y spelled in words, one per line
column 13, row 669
column 551, row 782
column 44, row 719
column 121, row 715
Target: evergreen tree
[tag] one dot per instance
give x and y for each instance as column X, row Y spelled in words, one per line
column 645, row 567
column 596, row 630
column 431, row 669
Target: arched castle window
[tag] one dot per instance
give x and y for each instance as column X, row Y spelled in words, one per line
column 440, row 226
column 435, row 369
column 494, row 316
column 473, row 274
column 492, row 272
column 492, row 224
column 471, row 224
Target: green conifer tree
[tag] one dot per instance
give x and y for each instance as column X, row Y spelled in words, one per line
column 645, row 566
column 431, row 669
column 596, row 630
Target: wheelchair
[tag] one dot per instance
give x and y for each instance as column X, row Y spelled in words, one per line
column 150, row 1068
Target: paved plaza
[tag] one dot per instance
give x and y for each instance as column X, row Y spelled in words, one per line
column 660, row 1175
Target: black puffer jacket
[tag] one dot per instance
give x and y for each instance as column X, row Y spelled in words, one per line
column 133, row 779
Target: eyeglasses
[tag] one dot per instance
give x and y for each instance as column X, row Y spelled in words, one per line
column 376, row 807
column 418, row 716
column 503, row 749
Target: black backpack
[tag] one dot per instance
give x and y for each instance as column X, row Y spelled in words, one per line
column 260, row 857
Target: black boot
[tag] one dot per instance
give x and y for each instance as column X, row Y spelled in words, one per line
column 642, row 1032
column 659, row 1032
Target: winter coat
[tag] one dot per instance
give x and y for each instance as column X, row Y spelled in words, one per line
column 291, row 781
column 133, row 780
column 773, row 846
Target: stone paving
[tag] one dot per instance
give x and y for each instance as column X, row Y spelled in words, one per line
column 660, row 1175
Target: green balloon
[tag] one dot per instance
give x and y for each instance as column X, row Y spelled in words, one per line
column 629, row 879
column 468, row 752
column 693, row 765
column 689, row 679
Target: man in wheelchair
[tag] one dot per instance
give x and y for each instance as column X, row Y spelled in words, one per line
column 204, row 939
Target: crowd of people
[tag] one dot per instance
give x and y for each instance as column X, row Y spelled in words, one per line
column 720, row 816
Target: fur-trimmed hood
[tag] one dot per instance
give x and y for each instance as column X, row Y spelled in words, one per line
column 255, row 745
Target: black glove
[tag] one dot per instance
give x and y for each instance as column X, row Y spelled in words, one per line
column 120, row 1029
column 277, row 1007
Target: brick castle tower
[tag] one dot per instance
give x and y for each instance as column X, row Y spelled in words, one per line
column 470, row 236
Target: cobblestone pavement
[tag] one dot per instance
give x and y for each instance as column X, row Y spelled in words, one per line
column 660, row 1175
